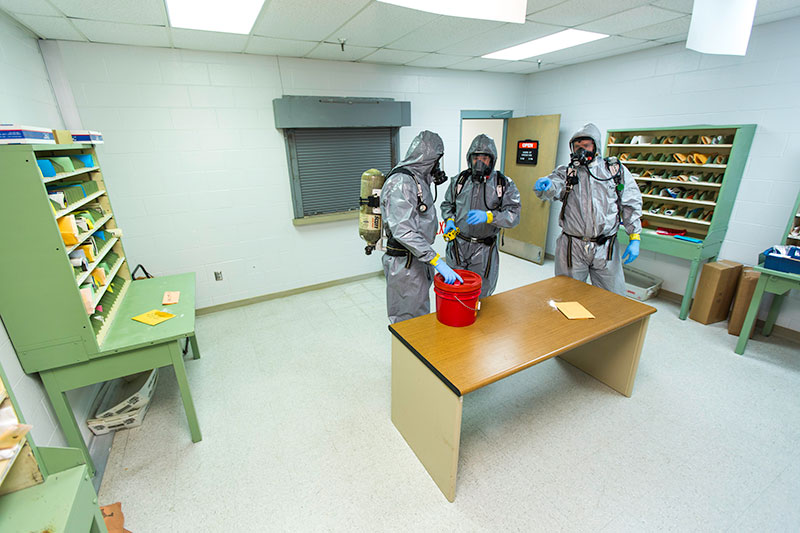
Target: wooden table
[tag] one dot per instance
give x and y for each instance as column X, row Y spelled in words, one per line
column 132, row 347
column 434, row 366
column 773, row 281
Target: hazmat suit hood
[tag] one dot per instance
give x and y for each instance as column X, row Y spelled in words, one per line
column 482, row 144
column 591, row 131
column 424, row 152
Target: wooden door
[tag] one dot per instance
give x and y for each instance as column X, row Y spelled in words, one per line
column 528, row 239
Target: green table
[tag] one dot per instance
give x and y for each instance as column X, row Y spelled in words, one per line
column 64, row 502
column 774, row 281
column 132, row 347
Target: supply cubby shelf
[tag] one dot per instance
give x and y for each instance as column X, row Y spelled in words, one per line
column 43, row 310
column 689, row 184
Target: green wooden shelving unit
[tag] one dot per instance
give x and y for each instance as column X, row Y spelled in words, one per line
column 705, row 176
column 73, row 340
column 792, row 234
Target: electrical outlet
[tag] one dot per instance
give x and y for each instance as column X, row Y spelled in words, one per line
column 218, row 276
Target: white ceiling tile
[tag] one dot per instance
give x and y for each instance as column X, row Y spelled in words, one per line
column 679, row 37
column 436, row 61
column 478, row 63
column 394, row 57
column 500, row 38
column 595, row 47
column 539, row 5
column 208, row 40
column 574, row 12
column 443, row 32
column 775, row 16
column 333, row 51
column 632, row 19
column 665, row 29
column 113, row 32
column 279, row 47
column 309, row 20
column 683, row 6
column 765, row 7
column 51, row 27
column 380, row 24
column 533, row 69
column 30, row 7
column 133, row 12
column 514, row 67
column 608, row 53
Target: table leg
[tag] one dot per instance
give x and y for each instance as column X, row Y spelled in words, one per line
column 195, row 349
column 772, row 317
column 428, row 416
column 687, row 293
column 183, row 384
column 65, row 416
column 613, row 358
column 752, row 313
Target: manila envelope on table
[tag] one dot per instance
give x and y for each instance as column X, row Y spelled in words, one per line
column 151, row 318
column 573, row 310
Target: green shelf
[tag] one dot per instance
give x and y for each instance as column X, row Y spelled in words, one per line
column 711, row 233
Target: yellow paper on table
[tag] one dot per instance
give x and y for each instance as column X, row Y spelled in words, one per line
column 573, row 310
column 151, row 318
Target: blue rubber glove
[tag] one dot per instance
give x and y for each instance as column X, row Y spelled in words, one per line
column 449, row 226
column 449, row 275
column 631, row 252
column 542, row 184
column 476, row 216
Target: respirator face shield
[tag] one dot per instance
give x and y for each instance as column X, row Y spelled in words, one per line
column 437, row 173
column 583, row 151
column 481, row 165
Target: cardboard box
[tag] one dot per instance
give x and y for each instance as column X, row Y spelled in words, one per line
column 131, row 419
column 712, row 300
column 86, row 137
column 62, row 136
column 16, row 134
column 126, row 394
column 741, row 302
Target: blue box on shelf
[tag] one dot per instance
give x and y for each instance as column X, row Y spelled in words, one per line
column 790, row 262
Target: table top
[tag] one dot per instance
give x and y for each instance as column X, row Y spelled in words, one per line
column 145, row 295
column 43, row 507
column 777, row 273
column 515, row 330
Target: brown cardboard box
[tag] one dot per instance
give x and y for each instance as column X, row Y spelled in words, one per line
column 712, row 300
column 63, row 136
column 741, row 302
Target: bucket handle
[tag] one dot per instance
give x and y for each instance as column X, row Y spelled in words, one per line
column 465, row 305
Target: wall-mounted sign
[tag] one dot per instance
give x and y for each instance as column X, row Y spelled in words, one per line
column 527, row 152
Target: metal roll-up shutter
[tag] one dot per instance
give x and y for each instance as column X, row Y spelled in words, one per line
column 330, row 163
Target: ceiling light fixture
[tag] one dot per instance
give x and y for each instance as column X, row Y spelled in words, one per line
column 230, row 16
column 721, row 26
column 545, row 45
column 499, row 10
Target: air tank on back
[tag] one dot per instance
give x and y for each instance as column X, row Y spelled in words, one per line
column 369, row 215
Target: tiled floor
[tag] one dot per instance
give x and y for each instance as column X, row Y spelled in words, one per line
column 293, row 400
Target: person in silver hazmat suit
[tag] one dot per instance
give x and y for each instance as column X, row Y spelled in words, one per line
column 410, row 225
column 480, row 203
column 598, row 195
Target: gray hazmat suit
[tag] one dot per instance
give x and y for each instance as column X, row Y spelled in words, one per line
column 408, row 277
column 485, row 193
column 591, row 211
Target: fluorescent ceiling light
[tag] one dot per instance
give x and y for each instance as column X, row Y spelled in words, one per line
column 721, row 26
column 228, row 16
column 500, row 10
column 545, row 45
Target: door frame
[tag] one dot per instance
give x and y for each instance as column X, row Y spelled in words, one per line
column 504, row 114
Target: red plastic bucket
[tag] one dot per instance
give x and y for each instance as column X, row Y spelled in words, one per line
column 457, row 304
